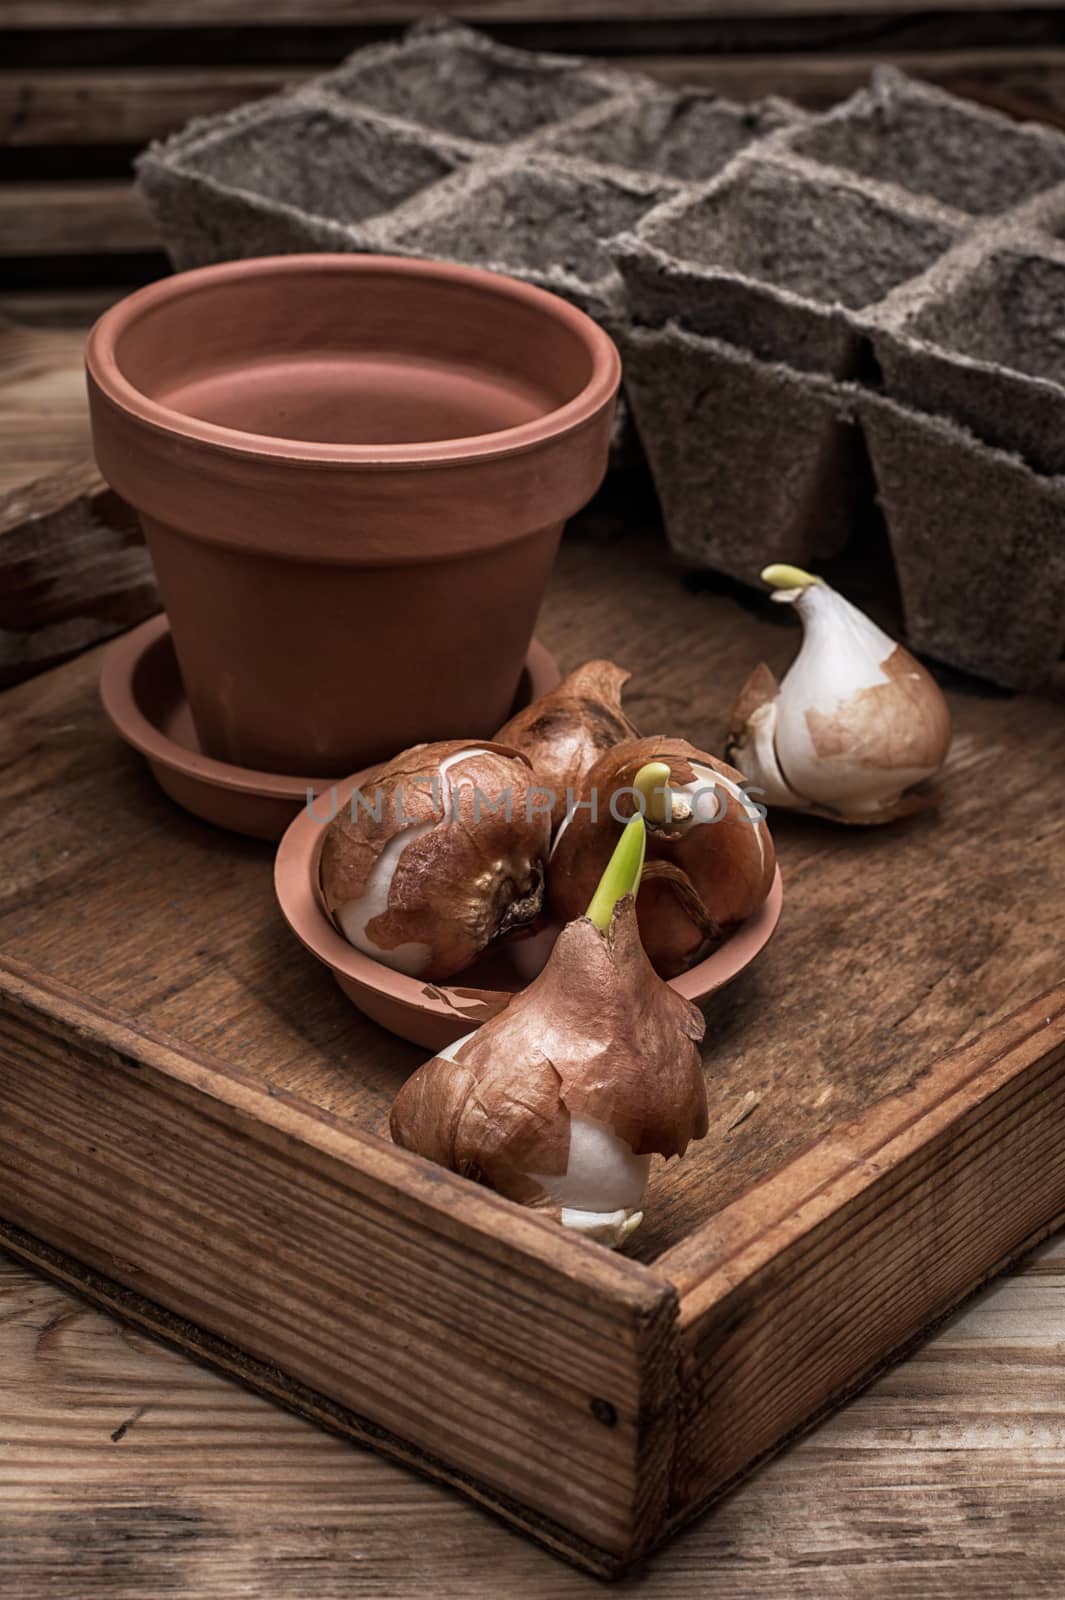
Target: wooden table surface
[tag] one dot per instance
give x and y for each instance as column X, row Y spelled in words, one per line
column 128, row 1472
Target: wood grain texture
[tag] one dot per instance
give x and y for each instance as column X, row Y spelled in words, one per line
column 77, row 108
column 63, row 219
column 449, row 1327
column 44, row 421
column 130, row 1473
column 54, row 310
column 73, row 570
column 73, row 108
column 149, row 914
column 778, row 1321
column 198, row 13
column 1026, row 84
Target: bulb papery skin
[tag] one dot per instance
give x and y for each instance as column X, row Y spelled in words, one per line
column 564, row 732
column 857, row 720
column 709, row 867
column 438, row 856
column 560, row 1101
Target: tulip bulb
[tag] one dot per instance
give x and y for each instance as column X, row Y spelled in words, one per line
column 443, row 851
column 564, row 732
column 855, row 724
column 710, row 858
column 560, row 1101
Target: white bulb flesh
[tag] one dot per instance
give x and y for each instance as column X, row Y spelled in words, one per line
column 843, row 653
column 755, row 752
column 603, row 1174
column 563, row 825
column 600, row 1192
column 353, row 916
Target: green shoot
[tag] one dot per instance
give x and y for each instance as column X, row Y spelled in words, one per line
column 622, row 874
column 781, row 576
column 652, row 782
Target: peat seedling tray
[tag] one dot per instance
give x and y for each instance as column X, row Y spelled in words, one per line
column 193, row 1120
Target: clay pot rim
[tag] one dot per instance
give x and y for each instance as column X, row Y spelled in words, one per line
column 104, row 371
column 118, row 678
column 298, row 892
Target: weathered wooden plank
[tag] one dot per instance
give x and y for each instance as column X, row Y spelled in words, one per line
column 66, row 219
column 449, row 1327
column 123, row 107
column 793, row 1296
column 73, row 570
column 44, row 424
column 195, row 13
column 1022, row 83
column 133, row 106
column 52, row 310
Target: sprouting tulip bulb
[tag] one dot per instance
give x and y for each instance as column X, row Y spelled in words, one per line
column 855, row 729
column 562, row 1099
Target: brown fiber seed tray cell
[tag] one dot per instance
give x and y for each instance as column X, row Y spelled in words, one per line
column 754, row 461
column 343, row 167
column 192, row 1116
column 293, row 175
column 542, row 220
column 978, row 540
column 459, row 82
column 983, row 345
column 930, row 143
column 778, row 259
column 689, row 135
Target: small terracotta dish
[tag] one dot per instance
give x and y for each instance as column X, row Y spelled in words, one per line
column 144, row 698
column 430, row 1014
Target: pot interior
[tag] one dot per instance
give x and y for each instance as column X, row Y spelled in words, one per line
column 371, row 355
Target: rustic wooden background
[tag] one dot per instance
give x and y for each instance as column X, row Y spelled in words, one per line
column 85, row 83
column 126, row 1472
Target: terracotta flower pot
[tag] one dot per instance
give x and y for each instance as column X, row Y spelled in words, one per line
column 352, row 473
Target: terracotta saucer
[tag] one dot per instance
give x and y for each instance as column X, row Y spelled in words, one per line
column 142, row 694
column 433, row 1015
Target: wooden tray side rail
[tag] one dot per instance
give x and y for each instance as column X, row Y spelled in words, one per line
column 798, row 1293
column 557, row 1384
column 474, row 1339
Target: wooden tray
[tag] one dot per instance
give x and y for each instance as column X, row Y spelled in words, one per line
column 191, row 1115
